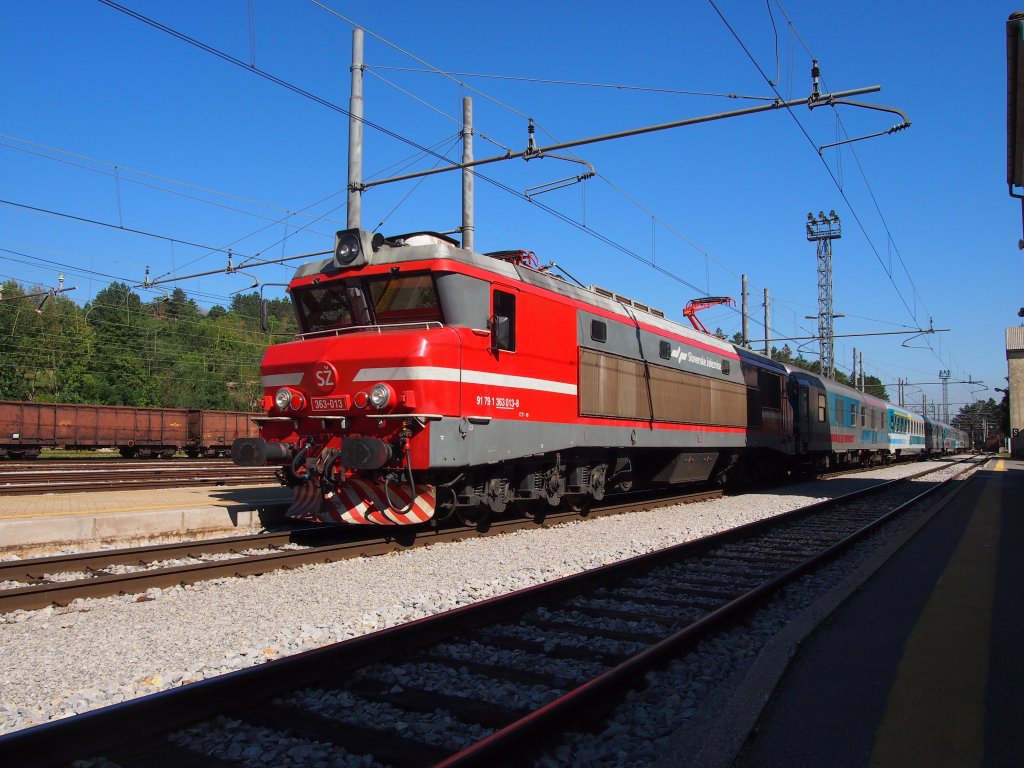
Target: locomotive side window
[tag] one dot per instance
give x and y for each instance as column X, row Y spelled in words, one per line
column 504, row 327
column 599, row 331
column 664, row 350
column 407, row 299
column 821, row 408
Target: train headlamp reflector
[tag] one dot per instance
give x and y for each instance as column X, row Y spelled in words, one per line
column 289, row 400
column 347, row 248
column 381, row 395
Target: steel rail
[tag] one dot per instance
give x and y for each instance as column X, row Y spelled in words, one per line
column 608, row 687
column 393, row 539
column 239, row 692
column 112, row 479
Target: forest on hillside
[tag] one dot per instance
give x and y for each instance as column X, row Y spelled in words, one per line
column 120, row 350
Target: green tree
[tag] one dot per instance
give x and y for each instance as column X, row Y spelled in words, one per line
column 123, row 353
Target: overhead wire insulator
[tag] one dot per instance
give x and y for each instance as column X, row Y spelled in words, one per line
column 531, row 142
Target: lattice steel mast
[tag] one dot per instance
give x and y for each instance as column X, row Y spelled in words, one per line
column 823, row 231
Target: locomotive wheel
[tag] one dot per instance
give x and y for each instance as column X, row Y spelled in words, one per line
column 534, row 509
column 577, row 502
column 478, row 516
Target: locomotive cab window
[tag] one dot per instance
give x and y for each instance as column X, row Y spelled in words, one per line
column 599, row 331
column 503, row 322
column 360, row 302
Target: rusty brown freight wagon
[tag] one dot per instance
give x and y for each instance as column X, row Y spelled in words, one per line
column 27, row 428
column 211, row 433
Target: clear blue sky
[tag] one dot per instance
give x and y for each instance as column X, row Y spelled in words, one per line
column 106, row 118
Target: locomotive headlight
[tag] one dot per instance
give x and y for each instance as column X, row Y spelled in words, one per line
column 289, row 399
column 347, row 249
column 381, row 395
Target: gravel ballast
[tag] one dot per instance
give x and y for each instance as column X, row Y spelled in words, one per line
column 63, row 661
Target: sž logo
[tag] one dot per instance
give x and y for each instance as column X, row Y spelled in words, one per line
column 325, row 376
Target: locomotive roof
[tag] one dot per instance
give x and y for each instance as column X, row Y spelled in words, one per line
column 430, row 246
column 426, row 247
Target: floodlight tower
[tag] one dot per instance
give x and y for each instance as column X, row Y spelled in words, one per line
column 944, row 377
column 823, row 230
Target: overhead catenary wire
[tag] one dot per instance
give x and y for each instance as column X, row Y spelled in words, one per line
column 97, row 222
column 134, row 171
column 835, row 180
column 454, row 75
column 871, row 192
column 251, row 67
column 342, row 110
column 578, row 83
column 121, row 177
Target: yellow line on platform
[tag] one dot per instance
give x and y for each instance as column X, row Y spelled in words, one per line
column 935, row 713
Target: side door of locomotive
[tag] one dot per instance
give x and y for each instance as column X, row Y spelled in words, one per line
column 802, row 416
column 488, row 354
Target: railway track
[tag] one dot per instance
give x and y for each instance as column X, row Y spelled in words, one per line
column 59, row 579
column 489, row 683
column 30, row 478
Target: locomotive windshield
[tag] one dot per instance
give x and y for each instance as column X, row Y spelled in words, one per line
column 381, row 300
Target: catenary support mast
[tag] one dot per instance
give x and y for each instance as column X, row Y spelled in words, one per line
column 355, row 134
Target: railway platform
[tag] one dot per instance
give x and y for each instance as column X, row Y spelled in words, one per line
column 921, row 665
column 38, row 523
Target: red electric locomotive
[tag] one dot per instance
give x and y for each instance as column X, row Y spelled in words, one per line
column 429, row 380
